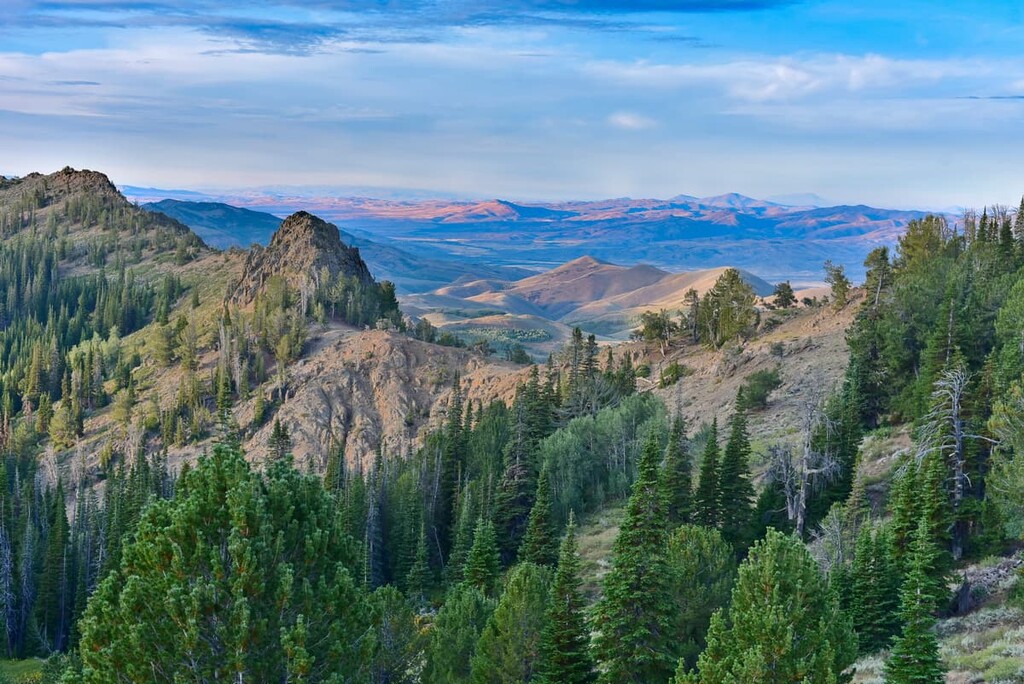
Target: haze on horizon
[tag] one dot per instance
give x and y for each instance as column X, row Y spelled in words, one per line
column 892, row 104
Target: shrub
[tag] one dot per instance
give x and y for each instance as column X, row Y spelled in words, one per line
column 757, row 386
column 673, row 373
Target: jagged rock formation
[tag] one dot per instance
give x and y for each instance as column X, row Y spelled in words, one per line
column 300, row 251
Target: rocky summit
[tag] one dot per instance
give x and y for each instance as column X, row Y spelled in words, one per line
column 302, row 250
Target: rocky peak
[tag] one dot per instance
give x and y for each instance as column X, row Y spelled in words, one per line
column 300, row 250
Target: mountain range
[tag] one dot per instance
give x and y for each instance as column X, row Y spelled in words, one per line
column 773, row 240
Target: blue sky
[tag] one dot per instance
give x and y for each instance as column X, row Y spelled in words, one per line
column 891, row 103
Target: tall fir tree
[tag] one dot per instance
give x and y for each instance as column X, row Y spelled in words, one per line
column 874, row 589
column 540, row 544
column 676, row 479
column 634, row 619
column 915, row 654
column 509, row 646
column 565, row 640
column 782, row 625
column 736, row 493
column 483, row 564
column 707, row 499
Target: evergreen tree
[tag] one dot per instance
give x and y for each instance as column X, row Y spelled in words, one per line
column 703, row 568
column 240, row 577
column 736, row 493
column 676, row 479
column 508, row 649
column 565, row 640
column 782, row 625
column 540, row 544
column 419, row 580
column 634, row 619
column 784, row 295
column 707, row 499
column 483, row 564
column 915, row 654
column 874, row 590
column 454, row 635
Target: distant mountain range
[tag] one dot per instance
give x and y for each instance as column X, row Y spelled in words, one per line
column 224, row 226
column 775, row 240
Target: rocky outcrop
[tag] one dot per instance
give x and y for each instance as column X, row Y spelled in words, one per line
column 304, row 247
column 372, row 392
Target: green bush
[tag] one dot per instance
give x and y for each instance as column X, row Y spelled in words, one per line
column 757, row 386
column 673, row 373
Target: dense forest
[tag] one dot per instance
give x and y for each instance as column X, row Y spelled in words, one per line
column 460, row 561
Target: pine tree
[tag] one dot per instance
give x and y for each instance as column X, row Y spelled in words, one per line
column 540, row 543
column 508, row 649
column 454, row 636
column 242, row 576
column 874, row 590
column 703, row 569
column 565, row 640
column 418, row 581
column 634, row 618
column 782, row 625
column 483, row 564
column 736, row 493
column 915, row 654
column 676, row 479
column 707, row 500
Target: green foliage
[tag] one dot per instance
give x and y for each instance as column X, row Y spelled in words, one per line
column 483, row 565
column 707, row 499
column 703, row 568
column 673, row 373
column 540, row 544
column 676, row 478
column 727, row 311
column 508, row 649
column 784, row 295
column 783, row 624
column 735, row 490
column 915, row 654
column 193, row 597
column 634, row 618
column 757, row 387
column 840, row 285
column 454, row 635
column 874, row 591
column 564, row 643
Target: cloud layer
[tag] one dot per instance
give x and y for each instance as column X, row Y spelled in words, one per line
column 526, row 99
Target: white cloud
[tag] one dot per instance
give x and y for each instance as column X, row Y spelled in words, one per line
column 631, row 121
column 787, row 78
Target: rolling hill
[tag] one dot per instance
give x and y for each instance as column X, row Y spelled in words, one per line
column 773, row 240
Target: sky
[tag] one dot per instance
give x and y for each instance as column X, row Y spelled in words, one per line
column 898, row 104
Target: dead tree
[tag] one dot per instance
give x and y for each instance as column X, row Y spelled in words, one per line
column 944, row 431
column 803, row 470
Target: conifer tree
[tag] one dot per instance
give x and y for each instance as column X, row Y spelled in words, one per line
column 418, row 581
column 782, row 625
column 915, row 654
column 736, row 493
column 483, row 564
column 676, row 479
column 565, row 640
column 242, row 576
column 508, row 649
column 874, row 590
column 455, row 634
column 703, row 569
column 634, row 619
column 540, row 544
column 707, row 499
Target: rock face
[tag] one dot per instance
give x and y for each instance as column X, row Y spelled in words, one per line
column 300, row 251
column 373, row 392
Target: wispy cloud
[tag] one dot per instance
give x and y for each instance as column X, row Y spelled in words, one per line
column 631, row 121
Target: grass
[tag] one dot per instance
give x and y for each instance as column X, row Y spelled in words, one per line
column 18, row 671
